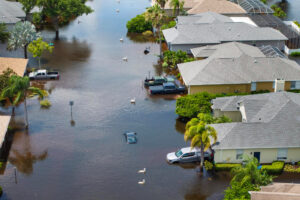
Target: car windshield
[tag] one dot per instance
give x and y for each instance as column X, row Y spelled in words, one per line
column 131, row 139
column 178, row 153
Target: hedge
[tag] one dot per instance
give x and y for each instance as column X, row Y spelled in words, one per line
column 138, row 24
column 295, row 54
column 226, row 166
column 275, row 168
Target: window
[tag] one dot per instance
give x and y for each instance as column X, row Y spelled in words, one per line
column 282, row 154
column 189, row 154
column 295, row 85
column 239, row 154
column 273, row 85
column 253, row 86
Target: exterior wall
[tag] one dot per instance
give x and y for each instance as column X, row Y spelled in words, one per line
column 266, row 155
column 264, row 86
column 235, row 116
column 287, row 85
column 217, row 89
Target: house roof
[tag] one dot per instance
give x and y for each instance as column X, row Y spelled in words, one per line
column 18, row 65
column 218, row 6
column 243, row 68
column 10, row 12
column 212, row 28
column 274, row 122
column 227, row 50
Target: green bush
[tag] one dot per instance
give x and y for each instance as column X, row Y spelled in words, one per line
column 297, row 23
column 291, row 168
column 1, row 191
column 298, row 163
column 45, row 103
column 208, row 165
column 171, row 24
column 148, row 33
column 264, row 1
column 295, row 54
column 226, row 166
column 138, row 24
column 4, row 34
column 175, row 57
column 275, row 168
column 278, row 12
column 37, row 18
column 191, row 105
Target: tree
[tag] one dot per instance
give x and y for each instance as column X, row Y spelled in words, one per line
column 27, row 6
column 62, row 11
column 246, row 178
column 37, row 47
column 138, row 24
column 200, row 135
column 21, row 36
column 17, row 91
column 4, row 78
column 4, row 34
column 162, row 3
column 177, row 6
column 156, row 16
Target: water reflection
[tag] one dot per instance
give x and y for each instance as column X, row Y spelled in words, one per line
column 140, row 38
column 22, row 155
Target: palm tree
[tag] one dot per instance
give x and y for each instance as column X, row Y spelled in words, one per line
column 21, row 36
column 162, row 3
column 156, row 16
column 177, row 6
column 200, row 135
column 18, row 90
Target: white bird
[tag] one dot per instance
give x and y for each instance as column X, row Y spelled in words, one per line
column 133, row 101
column 117, row 10
column 142, row 182
column 125, row 58
column 121, row 39
column 142, row 171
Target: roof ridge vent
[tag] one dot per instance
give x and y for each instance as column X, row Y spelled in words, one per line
column 255, row 61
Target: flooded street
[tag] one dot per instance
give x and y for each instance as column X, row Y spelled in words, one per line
column 90, row 159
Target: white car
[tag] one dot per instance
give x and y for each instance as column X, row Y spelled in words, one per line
column 188, row 155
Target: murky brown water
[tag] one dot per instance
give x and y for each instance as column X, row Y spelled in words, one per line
column 91, row 160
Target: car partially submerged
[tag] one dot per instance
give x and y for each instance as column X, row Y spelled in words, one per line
column 130, row 137
column 158, row 80
column 188, row 155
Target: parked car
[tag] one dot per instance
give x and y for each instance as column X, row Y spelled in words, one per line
column 43, row 74
column 167, row 88
column 130, row 137
column 188, row 155
column 157, row 80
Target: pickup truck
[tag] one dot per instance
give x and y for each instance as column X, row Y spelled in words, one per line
column 188, row 155
column 157, row 80
column 167, row 88
column 43, row 74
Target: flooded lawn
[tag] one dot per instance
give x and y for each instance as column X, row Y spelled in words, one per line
column 90, row 159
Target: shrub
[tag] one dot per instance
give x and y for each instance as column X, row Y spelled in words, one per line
column 239, row 192
column 147, row 33
column 275, row 168
column 208, row 165
column 291, row 168
column 264, row 1
column 37, row 18
column 298, row 163
column 191, row 105
column 4, row 78
column 278, row 12
column 175, row 57
column 171, row 24
column 295, row 54
column 45, row 103
column 1, row 191
column 297, row 23
column 4, row 34
column 138, row 24
column 226, row 166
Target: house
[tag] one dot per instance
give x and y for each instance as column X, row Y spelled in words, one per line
column 277, row 191
column 238, row 68
column 268, row 129
column 211, row 28
column 18, row 65
column 223, row 7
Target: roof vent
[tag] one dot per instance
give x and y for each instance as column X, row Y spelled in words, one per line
column 229, row 28
column 255, row 61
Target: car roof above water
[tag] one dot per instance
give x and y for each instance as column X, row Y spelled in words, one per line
column 189, row 149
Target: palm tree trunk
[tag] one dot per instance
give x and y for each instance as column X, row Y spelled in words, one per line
column 25, row 51
column 13, row 111
column 26, row 113
column 56, row 26
column 160, row 43
column 202, row 158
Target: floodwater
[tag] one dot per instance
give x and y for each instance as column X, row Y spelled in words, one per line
column 88, row 158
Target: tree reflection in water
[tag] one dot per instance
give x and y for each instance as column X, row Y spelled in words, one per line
column 22, row 155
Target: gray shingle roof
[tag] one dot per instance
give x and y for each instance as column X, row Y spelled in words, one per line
column 206, row 28
column 227, row 50
column 244, row 69
column 10, row 12
column 279, row 126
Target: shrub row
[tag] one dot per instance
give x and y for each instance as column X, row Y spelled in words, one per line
column 275, row 168
column 291, row 168
column 295, row 54
column 226, row 166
